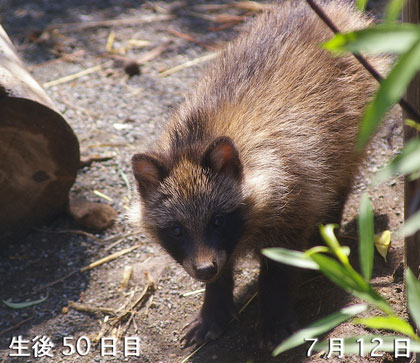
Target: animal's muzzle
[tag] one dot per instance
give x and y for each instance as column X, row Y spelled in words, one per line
column 205, row 271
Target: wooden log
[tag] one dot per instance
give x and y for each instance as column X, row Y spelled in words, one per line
column 411, row 13
column 39, row 152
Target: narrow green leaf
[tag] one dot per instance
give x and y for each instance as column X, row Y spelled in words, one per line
column 366, row 246
column 412, row 124
column 361, row 4
column 393, row 10
column 350, row 281
column 414, row 176
column 374, row 298
column 317, row 249
column 413, row 296
column 325, row 249
column 319, row 327
column 327, row 233
column 338, row 274
column 411, row 226
column 407, row 162
column 382, row 38
column 391, row 322
column 390, row 92
column 352, row 345
column 290, row 257
column 23, row 304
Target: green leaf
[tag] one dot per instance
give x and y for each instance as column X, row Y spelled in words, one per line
column 382, row 38
column 318, row 249
column 350, row 281
column 23, row 304
column 390, row 92
column 393, row 10
column 413, row 296
column 374, row 298
column 412, row 124
column 339, row 274
column 391, row 322
column 366, row 246
column 319, row 327
column 290, row 257
column 352, row 346
column 407, row 162
column 411, row 225
column 361, row 4
column 414, row 176
column 327, row 233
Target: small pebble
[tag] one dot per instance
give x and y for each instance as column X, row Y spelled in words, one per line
column 132, row 68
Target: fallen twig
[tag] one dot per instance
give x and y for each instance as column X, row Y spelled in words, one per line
column 71, row 105
column 199, row 291
column 131, row 65
column 52, row 283
column 128, row 271
column 102, row 195
column 13, row 327
column 221, row 27
column 341, row 235
column 107, row 145
column 108, row 23
column 91, row 309
column 211, row 7
column 152, row 54
column 244, row 5
column 250, row 5
column 130, row 312
column 75, row 231
column 148, row 305
column 92, row 265
column 169, row 7
column 117, row 240
column 221, row 18
column 191, row 39
column 187, row 64
column 64, row 58
column 193, row 353
column 77, row 75
column 109, row 258
column 87, row 161
column 147, row 291
column 110, row 41
column 127, row 183
column 246, row 304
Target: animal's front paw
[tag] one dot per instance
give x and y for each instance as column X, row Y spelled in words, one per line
column 274, row 331
column 207, row 326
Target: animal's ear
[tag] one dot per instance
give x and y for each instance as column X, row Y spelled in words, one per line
column 223, row 157
column 148, row 171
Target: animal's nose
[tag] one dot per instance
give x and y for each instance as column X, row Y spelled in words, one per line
column 205, row 271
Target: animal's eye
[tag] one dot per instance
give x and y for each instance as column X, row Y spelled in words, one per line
column 176, row 231
column 219, row 221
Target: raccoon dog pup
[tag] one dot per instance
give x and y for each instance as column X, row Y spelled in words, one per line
column 260, row 152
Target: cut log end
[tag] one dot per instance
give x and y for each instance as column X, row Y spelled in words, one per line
column 39, row 158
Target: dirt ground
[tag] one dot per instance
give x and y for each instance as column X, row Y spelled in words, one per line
column 113, row 114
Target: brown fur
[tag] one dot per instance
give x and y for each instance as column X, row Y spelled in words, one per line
column 292, row 111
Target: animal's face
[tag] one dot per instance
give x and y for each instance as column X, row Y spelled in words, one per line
column 194, row 209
